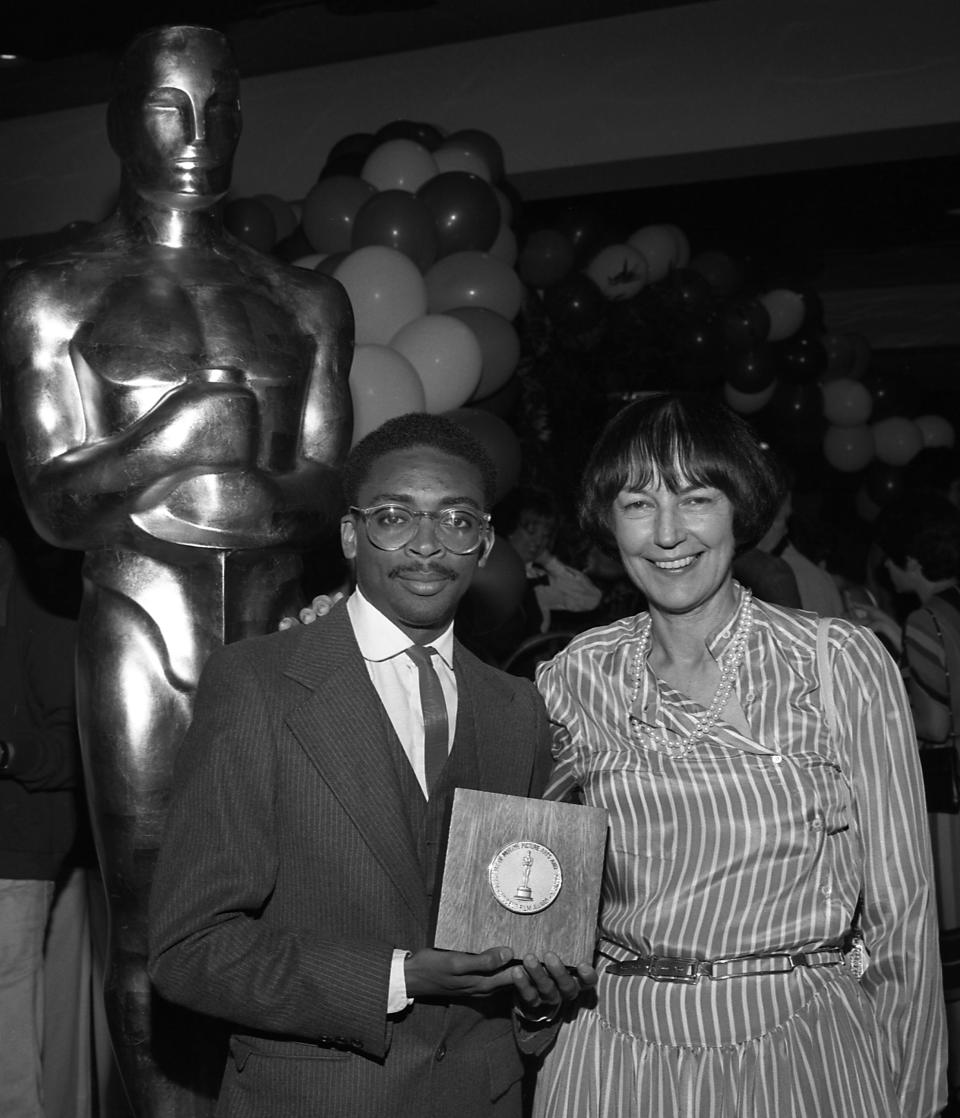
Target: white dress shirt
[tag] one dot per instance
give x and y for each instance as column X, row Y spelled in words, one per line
column 397, row 681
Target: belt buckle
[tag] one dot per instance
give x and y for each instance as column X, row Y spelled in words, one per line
column 673, row 970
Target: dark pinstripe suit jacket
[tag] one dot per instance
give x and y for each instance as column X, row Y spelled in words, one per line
column 288, row 874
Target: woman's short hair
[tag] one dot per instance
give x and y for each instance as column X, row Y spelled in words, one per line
column 412, row 430
column 680, row 439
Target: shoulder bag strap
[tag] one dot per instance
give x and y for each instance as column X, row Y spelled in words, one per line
column 949, row 656
column 855, row 950
column 827, row 698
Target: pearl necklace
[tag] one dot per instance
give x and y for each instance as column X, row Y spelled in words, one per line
column 730, row 661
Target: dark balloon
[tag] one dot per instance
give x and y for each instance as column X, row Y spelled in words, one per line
column 812, row 309
column 887, row 392
column 350, row 164
column 546, row 258
column 482, row 144
column 357, row 143
column 884, row 484
column 577, row 310
column 465, row 211
column 802, row 358
column 329, row 210
column 399, row 220
column 587, row 230
column 698, row 353
column 745, row 322
column 503, row 402
column 427, row 135
column 794, row 418
column 329, row 264
column 294, row 246
column 751, row 370
column 722, row 271
column 252, row 222
column 686, row 291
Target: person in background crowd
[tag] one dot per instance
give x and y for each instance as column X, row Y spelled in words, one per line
column 530, row 520
column 39, row 803
column 294, row 889
column 919, row 538
column 760, row 772
column 818, row 592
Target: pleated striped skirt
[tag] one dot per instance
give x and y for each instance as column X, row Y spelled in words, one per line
column 802, row 1045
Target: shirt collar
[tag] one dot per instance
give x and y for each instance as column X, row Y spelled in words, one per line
column 379, row 639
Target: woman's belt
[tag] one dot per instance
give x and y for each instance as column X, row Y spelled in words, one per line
column 668, row 968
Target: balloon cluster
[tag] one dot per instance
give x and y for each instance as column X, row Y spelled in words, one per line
column 694, row 321
column 417, row 226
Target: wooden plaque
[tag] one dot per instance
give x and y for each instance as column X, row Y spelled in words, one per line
column 521, row 873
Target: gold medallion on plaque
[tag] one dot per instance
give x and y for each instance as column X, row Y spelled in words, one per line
column 525, row 877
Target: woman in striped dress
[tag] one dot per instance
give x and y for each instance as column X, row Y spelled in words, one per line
column 759, row 781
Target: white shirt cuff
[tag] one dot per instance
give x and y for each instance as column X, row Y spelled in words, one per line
column 397, row 999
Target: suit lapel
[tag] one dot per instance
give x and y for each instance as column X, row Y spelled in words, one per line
column 504, row 751
column 340, row 726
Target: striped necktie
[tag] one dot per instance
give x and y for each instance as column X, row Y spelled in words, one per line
column 436, row 734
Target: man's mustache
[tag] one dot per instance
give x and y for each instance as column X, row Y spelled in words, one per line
column 424, row 569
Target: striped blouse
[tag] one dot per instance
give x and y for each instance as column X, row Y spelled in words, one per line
column 762, row 843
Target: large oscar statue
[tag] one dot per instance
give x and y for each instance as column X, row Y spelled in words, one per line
column 177, row 406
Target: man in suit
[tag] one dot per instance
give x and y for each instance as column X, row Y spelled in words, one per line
column 294, row 889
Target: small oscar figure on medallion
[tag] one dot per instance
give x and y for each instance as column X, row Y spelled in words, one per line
column 523, row 891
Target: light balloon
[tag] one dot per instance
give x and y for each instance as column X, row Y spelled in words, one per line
column 935, row 430
column 399, row 165
column 848, row 449
column 383, row 384
column 505, row 246
column 786, row 310
column 619, row 271
column 659, row 246
column 447, row 357
column 846, row 403
column 386, row 289
column 897, row 440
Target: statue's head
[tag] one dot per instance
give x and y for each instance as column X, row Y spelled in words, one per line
column 174, row 118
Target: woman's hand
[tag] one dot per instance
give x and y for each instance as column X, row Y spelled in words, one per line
column 543, row 987
column 873, row 617
column 321, row 605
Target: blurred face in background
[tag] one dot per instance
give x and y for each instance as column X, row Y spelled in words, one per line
column 533, row 535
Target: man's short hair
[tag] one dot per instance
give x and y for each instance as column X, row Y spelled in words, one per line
column 413, row 430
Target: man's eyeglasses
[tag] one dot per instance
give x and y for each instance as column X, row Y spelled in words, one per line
column 390, row 527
